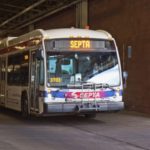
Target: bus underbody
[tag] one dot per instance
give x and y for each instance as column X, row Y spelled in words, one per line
column 82, row 107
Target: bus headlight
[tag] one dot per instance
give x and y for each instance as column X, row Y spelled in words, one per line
column 117, row 93
column 49, row 96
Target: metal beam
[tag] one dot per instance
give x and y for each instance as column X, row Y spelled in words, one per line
column 18, row 7
column 49, row 14
column 22, row 12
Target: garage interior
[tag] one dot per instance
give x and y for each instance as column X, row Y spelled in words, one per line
column 127, row 21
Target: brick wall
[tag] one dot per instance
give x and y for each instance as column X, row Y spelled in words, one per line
column 129, row 23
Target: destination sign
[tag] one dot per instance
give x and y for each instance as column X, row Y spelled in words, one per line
column 80, row 44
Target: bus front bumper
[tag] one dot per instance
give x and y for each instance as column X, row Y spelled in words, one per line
column 83, row 107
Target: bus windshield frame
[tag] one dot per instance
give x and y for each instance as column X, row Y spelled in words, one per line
column 67, row 66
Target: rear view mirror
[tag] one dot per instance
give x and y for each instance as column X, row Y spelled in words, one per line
column 125, row 76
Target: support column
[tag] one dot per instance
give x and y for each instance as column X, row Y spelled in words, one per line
column 82, row 14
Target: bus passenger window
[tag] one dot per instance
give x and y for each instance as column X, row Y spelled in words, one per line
column 41, row 72
column 9, row 70
column 14, row 62
column 24, row 74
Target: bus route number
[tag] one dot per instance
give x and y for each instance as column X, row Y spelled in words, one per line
column 55, row 80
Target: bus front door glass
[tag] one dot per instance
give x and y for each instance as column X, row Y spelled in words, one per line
column 34, row 87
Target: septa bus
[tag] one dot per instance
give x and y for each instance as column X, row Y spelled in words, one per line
column 61, row 71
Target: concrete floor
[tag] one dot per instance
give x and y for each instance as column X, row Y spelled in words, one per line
column 115, row 131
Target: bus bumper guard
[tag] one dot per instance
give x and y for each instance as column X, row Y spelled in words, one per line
column 82, row 107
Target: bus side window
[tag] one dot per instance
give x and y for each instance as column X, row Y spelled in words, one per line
column 25, row 68
column 24, row 74
column 18, row 69
column 41, row 72
column 13, row 77
column 3, row 70
column 10, row 70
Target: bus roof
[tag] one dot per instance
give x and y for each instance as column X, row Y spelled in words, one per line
column 55, row 34
column 4, row 42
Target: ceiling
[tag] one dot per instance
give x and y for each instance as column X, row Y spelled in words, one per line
column 17, row 14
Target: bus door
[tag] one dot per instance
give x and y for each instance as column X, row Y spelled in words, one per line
column 34, row 84
column 2, row 80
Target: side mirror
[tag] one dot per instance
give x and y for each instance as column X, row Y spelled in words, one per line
column 129, row 52
column 125, row 76
column 39, row 54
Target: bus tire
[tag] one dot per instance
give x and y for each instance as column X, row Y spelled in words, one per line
column 90, row 116
column 24, row 106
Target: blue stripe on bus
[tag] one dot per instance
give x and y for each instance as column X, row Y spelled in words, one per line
column 58, row 94
column 61, row 94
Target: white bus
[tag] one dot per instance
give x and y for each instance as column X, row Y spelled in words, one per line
column 61, row 71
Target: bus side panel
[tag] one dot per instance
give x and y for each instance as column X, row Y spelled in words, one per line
column 13, row 99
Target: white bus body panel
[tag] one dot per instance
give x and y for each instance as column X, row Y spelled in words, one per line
column 13, row 97
column 48, row 105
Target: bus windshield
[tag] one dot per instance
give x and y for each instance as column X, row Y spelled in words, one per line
column 68, row 68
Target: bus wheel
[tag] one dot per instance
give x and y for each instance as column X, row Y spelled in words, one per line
column 90, row 116
column 24, row 106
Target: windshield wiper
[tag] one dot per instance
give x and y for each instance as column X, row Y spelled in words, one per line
column 105, row 85
column 90, row 85
column 100, row 85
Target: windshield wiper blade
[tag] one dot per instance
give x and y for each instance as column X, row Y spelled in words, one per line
column 105, row 85
column 91, row 85
column 82, row 84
